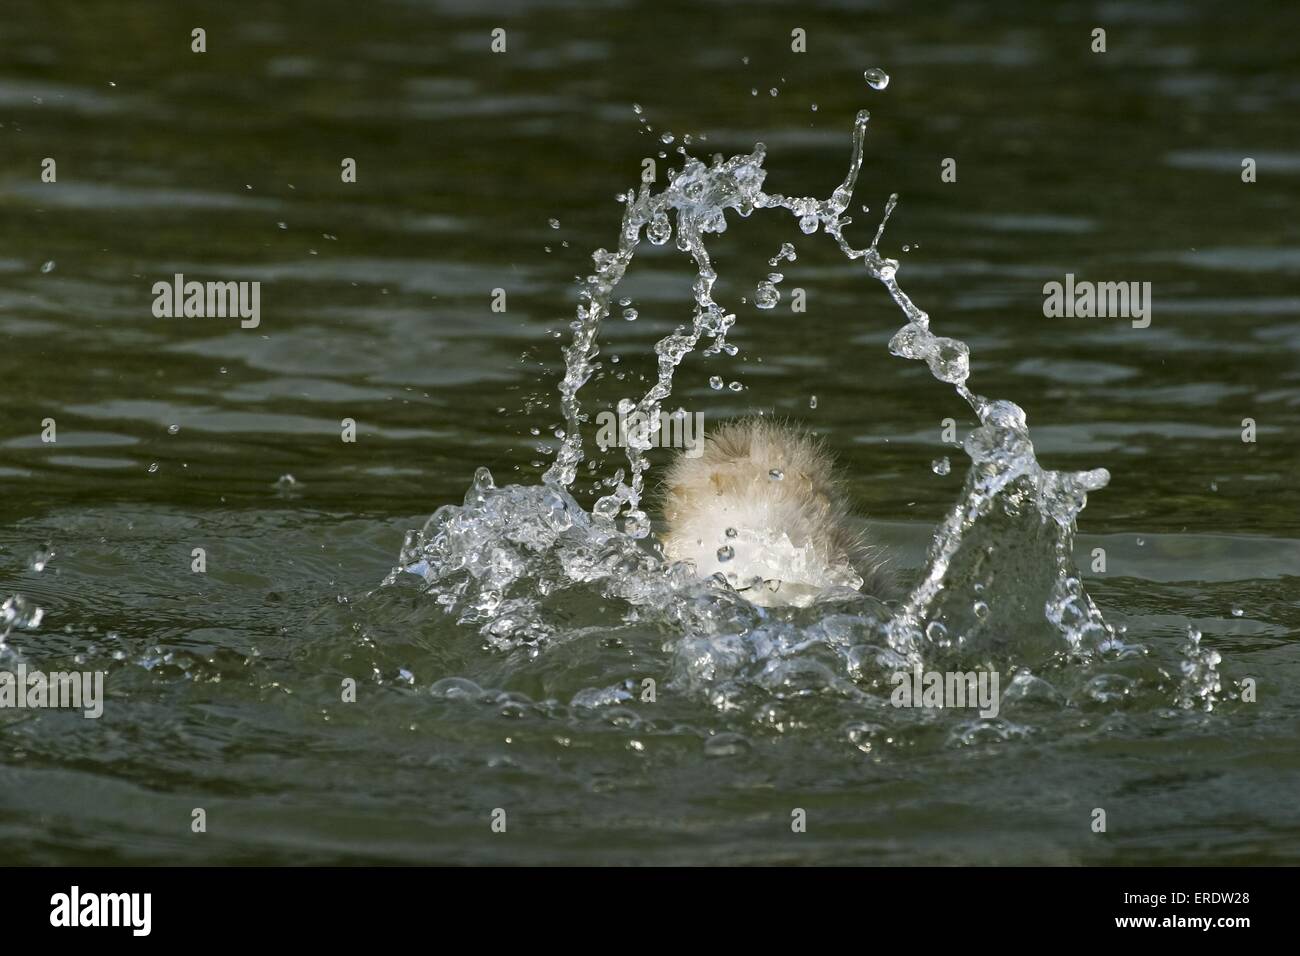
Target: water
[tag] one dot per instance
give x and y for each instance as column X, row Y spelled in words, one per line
column 519, row 680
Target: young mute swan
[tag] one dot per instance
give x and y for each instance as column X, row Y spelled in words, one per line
column 762, row 505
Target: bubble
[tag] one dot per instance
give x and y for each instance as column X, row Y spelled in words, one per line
column 812, row 401
column 776, row 474
column 630, row 314
column 731, row 532
column 173, row 429
column 666, row 138
column 48, row 266
column 808, row 224
column 715, row 382
column 726, row 553
column 1238, row 612
column 736, row 387
column 876, row 78
column 941, row 466
column 153, row 467
column 553, row 223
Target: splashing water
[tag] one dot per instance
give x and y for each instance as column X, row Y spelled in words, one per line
column 998, row 588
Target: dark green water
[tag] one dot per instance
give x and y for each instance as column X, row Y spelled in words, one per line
column 223, row 687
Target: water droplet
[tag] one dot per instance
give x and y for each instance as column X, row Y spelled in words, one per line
column 660, row 230
column 726, row 553
column 808, row 224
column 731, row 532
column 173, row 429
column 772, row 91
column 48, row 266
column 812, row 401
column 766, row 295
column 553, row 223
column 876, row 78
column 153, row 467
column 666, row 138
column 941, row 466
column 1238, row 612
column 715, row 382
column 776, row 474
column 630, row 314
column 736, row 387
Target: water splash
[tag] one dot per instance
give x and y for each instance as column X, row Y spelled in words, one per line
column 17, row 613
column 998, row 584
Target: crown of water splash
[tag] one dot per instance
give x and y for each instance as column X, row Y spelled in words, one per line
column 699, row 197
column 1000, row 564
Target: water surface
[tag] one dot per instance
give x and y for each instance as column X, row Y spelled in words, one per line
column 223, row 687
